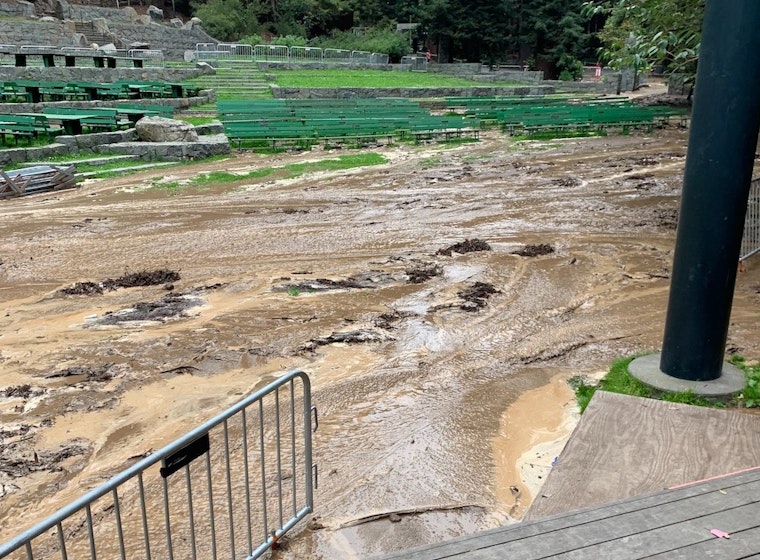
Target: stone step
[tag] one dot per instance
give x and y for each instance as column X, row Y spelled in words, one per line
column 91, row 161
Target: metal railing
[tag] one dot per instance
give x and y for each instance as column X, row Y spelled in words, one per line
column 212, row 52
column 230, row 488
column 751, row 238
column 150, row 57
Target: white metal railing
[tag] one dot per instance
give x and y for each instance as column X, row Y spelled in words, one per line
column 415, row 62
column 150, row 57
column 361, row 57
column 379, row 58
column 230, row 488
column 305, row 54
column 211, row 52
column 337, row 55
column 751, row 238
column 271, row 52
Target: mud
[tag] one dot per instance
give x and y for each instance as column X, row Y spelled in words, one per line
column 341, row 274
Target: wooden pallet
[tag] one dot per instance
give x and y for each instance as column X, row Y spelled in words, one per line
column 36, row 179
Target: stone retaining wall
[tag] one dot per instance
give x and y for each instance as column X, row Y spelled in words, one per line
column 36, row 32
column 94, row 74
column 475, row 91
column 121, row 142
column 173, row 41
column 17, row 8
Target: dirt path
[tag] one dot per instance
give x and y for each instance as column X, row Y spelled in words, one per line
column 420, row 416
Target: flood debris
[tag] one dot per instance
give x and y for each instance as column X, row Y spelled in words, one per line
column 169, row 306
column 388, row 320
column 36, row 179
column 568, row 181
column 466, row 246
column 162, row 276
column 18, row 459
column 421, row 272
column 21, row 392
column 361, row 280
column 97, row 374
column 359, row 336
column 534, row 250
column 476, row 296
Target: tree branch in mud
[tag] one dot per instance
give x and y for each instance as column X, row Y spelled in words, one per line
column 395, row 516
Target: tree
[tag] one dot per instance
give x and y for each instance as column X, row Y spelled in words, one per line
column 478, row 30
column 641, row 34
column 551, row 32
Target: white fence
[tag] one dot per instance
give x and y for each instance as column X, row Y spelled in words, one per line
column 212, row 52
column 751, row 239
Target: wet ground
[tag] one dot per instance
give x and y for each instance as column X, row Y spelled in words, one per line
column 439, row 302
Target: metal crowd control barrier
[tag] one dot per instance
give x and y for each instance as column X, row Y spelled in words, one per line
column 150, row 57
column 306, row 54
column 212, row 52
column 751, row 239
column 337, row 55
column 230, row 488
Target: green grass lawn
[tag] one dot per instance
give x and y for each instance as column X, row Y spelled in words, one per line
column 333, row 78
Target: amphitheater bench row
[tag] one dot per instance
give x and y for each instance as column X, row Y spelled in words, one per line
column 59, row 120
column 38, row 91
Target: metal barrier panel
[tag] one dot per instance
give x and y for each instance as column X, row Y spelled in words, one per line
column 236, row 51
column 415, row 63
column 337, row 56
column 361, row 57
column 379, row 58
column 230, row 488
column 150, row 57
column 276, row 53
column 305, row 54
column 751, row 239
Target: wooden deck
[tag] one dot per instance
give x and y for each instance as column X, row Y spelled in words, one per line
column 628, row 446
column 674, row 524
column 625, row 454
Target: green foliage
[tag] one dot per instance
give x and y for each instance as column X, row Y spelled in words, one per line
column 329, row 78
column 294, row 292
column 254, row 39
column 378, row 39
column 750, row 397
column 618, row 380
column 287, row 171
column 227, row 20
column 640, row 34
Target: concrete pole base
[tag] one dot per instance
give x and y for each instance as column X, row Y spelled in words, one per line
column 647, row 370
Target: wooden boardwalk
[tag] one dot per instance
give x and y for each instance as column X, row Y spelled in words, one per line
column 618, row 465
column 674, row 524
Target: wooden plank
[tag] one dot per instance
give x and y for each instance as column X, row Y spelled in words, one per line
column 626, row 446
column 742, row 544
column 655, row 521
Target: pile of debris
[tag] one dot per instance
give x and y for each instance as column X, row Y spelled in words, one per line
column 36, row 179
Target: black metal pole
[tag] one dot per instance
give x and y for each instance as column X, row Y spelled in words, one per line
column 722, row 140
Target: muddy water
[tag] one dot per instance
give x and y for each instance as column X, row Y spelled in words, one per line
column 440, row 415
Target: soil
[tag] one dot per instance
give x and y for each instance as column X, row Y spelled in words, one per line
column 438, row 365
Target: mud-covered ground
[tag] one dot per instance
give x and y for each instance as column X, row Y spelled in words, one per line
column 438, row 302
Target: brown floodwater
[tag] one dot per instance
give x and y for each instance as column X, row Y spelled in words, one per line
column 441, row 413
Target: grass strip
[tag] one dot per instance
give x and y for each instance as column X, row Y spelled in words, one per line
column 618, row 380
column 287, row 171
column 336, row 78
